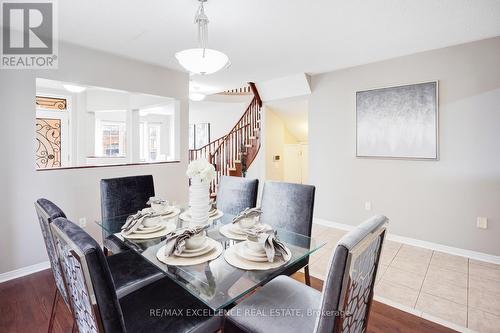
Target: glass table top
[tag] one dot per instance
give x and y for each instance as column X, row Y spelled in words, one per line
column 216, row 283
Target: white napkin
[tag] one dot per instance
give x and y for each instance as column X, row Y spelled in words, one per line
column 247, row 213
column 270, row 241
column 135, row 221
column 176, row 240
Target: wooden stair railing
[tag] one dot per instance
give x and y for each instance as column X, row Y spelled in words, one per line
column 233, row 153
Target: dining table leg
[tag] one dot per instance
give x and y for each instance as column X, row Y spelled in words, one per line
column 307, row 276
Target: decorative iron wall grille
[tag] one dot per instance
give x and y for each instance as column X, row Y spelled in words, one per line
column 51, row 103
column 48, row 137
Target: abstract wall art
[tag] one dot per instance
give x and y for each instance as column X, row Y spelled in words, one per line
column 398, row 122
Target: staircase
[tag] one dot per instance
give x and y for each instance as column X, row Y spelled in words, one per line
column 233, row 153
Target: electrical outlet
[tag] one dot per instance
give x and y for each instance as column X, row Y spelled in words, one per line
column 368, row 205
column 82, row 222
column 482, row 222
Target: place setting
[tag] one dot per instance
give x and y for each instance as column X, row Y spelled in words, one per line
column 189, row 246
column 247, row 219
column 260, row 249
column 150, row 222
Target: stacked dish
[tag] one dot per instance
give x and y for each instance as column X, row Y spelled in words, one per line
column 198, row 249
column 251, row 255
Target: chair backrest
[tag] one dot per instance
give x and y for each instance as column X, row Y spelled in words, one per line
column 288, row 206
column 234, row 194
column 47, row 212
column 94, row 303
column 125, row 195
column 350, row 280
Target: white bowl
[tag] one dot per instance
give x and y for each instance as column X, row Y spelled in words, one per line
column 196, row 241
column 159, row 208
column 255, row 246
column 151, row 221
column 247, row 222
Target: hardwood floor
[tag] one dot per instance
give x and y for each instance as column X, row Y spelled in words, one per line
column 25, row 305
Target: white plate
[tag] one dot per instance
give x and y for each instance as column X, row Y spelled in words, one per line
column 196, row 250
column 147, row 230
column 226, row 231
column 254, row 253
column 243, row 252
column 236, row 229
column 205, row 249
column 186, row 216
column 231, row 256
column 180, row 261
column 169, row 227
column 174, row 212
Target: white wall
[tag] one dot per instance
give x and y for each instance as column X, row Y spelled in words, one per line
column 275, row 138
column 76, row 190
column 427, row 200
column 221, row 116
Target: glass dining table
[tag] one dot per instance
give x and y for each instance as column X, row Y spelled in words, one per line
column 216, row 283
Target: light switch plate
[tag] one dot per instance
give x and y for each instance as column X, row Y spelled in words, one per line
column 368, row 205
column 482, row 222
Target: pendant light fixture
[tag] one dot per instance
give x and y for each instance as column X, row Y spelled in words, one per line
column 202, row 60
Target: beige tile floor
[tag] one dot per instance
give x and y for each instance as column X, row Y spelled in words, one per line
column 438, row 286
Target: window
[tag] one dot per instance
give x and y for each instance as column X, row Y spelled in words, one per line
column 154, row 141
column 110, row 139
column 199, row 135
column 150, row 141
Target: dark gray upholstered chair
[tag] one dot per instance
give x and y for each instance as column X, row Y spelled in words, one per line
column 347, row 291
column 47, row 212
column 289, row 206
column 129, row 270
column 234, row 194
column 123, row 196
column 96, row 306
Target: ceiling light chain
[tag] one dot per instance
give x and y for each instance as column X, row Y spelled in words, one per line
column 202, row 20
column 202, row 60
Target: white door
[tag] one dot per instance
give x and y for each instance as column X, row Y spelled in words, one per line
column 295, row 163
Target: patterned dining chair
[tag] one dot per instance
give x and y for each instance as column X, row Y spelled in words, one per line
column 119, row 197
column 129, row 270
column 47, row 211
column 289, row 206
column 234, row 194
column 96, row 307
column 343, row 306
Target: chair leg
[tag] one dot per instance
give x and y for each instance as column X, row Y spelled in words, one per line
column 307, row 276
column 53, row 311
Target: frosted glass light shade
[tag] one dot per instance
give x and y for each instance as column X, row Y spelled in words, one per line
column 194, row 61
column 196, row 96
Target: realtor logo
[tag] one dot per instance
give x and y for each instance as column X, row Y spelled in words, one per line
column 29, row 38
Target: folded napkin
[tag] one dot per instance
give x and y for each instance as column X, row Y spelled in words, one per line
column 270, row 241
column 176, row 240
column 154, row 200
column 247, row 213
column 135, row 221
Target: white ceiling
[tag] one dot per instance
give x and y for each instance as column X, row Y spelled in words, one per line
column 268, row 39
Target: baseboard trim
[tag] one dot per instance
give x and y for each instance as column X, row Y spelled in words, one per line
column 421, row 243
column 24, row 271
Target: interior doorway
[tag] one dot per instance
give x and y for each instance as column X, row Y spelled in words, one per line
column 286, row 141
column 295, row 163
